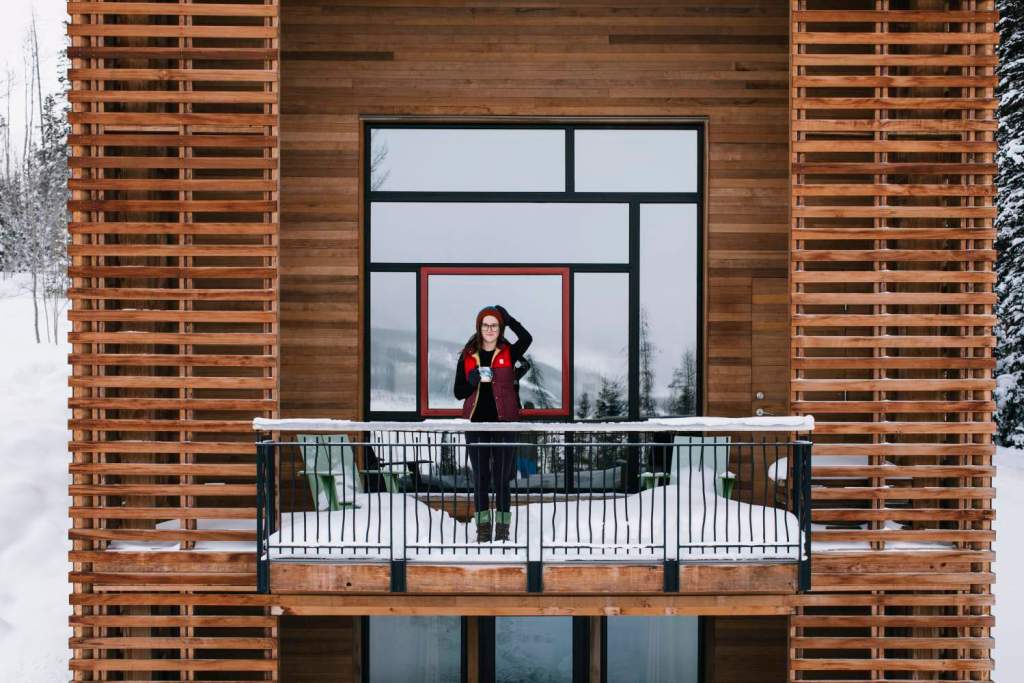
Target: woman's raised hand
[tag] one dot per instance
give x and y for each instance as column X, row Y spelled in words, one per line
column 504, row 312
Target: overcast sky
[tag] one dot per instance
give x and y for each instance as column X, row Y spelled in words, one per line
column 16, row 20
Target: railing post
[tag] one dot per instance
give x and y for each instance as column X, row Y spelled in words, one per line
column 671, row 582
column 264, row 455
column 802, row 475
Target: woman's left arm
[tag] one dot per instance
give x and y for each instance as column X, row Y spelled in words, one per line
column 523, row 337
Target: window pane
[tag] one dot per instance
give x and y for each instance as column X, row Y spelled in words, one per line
column 467, row 160
column 422, row 649
column 601, row 344
column 668, row 309
column 392, row 341
column 425, row 232
column 529, row 649
column 653, row 649
column 534, row 300
column 636, row 160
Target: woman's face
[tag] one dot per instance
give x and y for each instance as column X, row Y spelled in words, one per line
column 489, row 329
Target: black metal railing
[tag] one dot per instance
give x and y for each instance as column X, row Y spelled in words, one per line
column 636, row 492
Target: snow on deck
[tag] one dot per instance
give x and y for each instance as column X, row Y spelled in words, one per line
column 621, row 528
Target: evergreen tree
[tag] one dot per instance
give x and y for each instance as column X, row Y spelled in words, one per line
column 683, row 397
column 610, row 399
column 647, row 350
column 542, row 398
column 1010, row 225
column 583, row 407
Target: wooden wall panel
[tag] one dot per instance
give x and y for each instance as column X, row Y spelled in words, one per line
column 745, row 649
column 892, row 144
column 174, row 332
column 319, row 649
column 726, row 61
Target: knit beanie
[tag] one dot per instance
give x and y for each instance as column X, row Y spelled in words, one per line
column 489, row 310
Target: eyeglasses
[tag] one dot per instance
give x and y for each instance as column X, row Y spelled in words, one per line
column 488, row 326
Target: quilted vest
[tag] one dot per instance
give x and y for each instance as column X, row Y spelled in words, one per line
column 502, row 385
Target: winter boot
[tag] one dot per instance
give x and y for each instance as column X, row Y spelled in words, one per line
column 483, row 526
column 502, row 520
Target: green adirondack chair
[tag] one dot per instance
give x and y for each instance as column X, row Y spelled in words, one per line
column 330, row 467
column 709, row 452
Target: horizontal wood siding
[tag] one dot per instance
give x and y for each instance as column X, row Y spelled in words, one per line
column 726, row 61
column 174, row 333
column 892, row 144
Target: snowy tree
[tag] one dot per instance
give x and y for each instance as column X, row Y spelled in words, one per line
column 1010, row 225
column 33, row 206
column 611, row 401
column 583, row 406
column 647, row 350
column 683, row 398
column 542, row 397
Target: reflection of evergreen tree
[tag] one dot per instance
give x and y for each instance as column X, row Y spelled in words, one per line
column 648, row 406
column 611, row 401
column 683, row 397
column 583, row 406
column 379, row 174
column 542, row 397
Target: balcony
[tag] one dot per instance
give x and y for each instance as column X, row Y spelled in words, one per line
column 683, row 505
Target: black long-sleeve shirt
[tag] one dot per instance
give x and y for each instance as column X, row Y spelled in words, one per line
column 486, row 410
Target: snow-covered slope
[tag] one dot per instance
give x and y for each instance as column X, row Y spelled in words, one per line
column 33, row 497
column 1009, row 589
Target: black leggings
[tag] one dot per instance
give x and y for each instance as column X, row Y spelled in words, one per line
column 491, row 464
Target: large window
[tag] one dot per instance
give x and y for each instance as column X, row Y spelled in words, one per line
column 590, row 235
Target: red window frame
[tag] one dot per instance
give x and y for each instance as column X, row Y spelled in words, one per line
column 426, row 272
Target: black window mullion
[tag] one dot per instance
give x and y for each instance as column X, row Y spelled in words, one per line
column 581, row 650
column 634, row 312
column 453, row 197
column 486, row 660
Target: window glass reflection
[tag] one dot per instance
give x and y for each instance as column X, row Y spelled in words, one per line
column 426, row 232
column 601, row 345
column 533, row 649
column 653, row 649
column 415, row 649
column 636, row 160
column 392, row 341
column 534, row 300
column 467, row 160
column 668, row 310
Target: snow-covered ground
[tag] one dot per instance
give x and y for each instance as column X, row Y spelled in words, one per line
column 33, row 517
column 34, row 458
column 1009, row 588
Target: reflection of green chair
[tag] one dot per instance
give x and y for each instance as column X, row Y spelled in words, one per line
column 330, row 467
column 709, row 452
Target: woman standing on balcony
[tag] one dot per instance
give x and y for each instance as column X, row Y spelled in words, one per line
column 485, row 381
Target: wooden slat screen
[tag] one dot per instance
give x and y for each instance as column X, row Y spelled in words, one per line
column 174, row 332
column 892, row 253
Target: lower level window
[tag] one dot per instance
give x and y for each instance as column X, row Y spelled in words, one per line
column 652, row 649
column 415, row 649
column 533, row 649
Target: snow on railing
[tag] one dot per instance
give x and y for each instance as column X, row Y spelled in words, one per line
column 798, row 423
